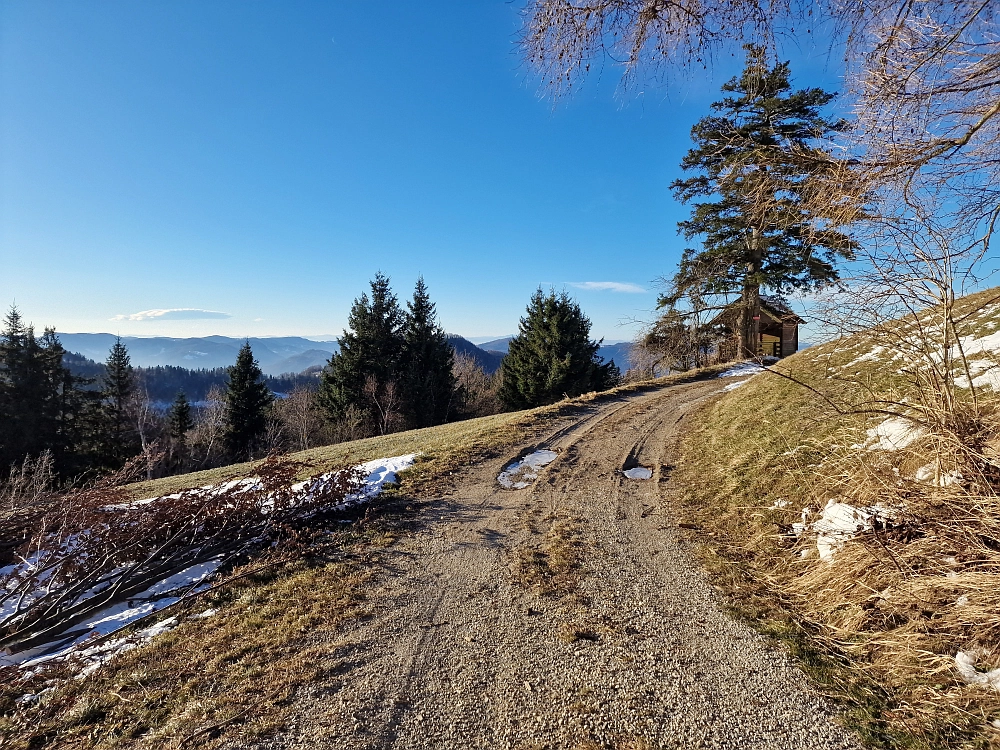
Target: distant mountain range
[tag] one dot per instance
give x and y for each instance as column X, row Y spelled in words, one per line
column 617, row 352
column 277, row 356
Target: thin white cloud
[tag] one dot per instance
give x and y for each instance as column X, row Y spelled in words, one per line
column 608, row 286
column 176, row 313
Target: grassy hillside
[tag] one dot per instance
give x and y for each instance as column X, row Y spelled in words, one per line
column 858, row 430
column 235, row 672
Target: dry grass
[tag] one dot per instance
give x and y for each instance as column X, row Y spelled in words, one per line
column 553, row 567
column 879, row 625
column 238, row 669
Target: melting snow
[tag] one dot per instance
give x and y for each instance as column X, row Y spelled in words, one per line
column 893, row 434
column 838, row 523
column 522, row 473
column 965, row 663
column 926, row 474
column 740, row 370
column 639, row 472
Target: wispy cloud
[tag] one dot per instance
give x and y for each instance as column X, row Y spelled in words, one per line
column 176, row 313
column 608, row 286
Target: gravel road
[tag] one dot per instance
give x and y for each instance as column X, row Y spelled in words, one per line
column 568, row 614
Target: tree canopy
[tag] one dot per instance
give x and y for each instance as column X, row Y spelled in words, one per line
column 425, row 362
column 552, row 356
column 248, row 401
column 756, row 165
column 369, row 355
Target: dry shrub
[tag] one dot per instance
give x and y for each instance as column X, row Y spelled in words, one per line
column 904, row 597
column 95, row 547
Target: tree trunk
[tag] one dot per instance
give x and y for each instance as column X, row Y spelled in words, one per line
column 749, row 331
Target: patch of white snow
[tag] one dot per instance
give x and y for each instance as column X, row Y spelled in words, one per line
column 965, row 663
column 893, row 434
column 639, row 472
column 520, row 474
column 947, row 479
column 840, row 522
column 741, row 370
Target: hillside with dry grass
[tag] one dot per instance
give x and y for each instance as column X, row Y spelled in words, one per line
column 849, row 501
column 226, row 658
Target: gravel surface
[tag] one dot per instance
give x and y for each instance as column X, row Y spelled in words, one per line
column 631, row 649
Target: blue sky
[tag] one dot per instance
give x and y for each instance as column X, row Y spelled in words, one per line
column 261, row 161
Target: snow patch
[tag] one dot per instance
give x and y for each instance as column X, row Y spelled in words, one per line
column 840, row 522
column 741, row 370
column 947, row 479
column 117, row 616
column 520, row 474
column 965, row 663
column 893, row 434
column 639, row 472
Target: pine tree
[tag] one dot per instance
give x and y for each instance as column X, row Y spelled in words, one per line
column 43, row 407
column 121, row 441
column 180, row 422
column 552, row 356
column 426, row 363
column 757, row 163
column 248, row 402
column 363, row 375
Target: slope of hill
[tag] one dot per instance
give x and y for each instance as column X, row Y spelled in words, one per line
column 851, row 511
column 489, row 361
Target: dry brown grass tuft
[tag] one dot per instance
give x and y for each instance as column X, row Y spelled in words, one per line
column 553, row 567
column 238, row 670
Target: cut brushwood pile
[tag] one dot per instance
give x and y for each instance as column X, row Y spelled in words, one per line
column 89, row 562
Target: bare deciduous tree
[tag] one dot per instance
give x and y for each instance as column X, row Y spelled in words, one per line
column 206, row 439
column 301, row 418
column 924, row 77
column 478, row 394
column 387, row 398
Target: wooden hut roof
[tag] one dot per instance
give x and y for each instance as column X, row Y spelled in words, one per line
column 772, row 307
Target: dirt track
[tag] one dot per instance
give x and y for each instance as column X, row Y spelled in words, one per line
column 485, row 635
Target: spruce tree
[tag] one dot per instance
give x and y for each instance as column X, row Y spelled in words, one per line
column 121, row 441
column 425, row 363
column 369, row 357
column 552, row 356
column 248, row 402
column 43, row 407
column 180, row 422
column 757, row 167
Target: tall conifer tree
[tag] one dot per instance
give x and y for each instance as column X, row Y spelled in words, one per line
column 180, row 422
column 426, row 363
column 42, row 405
column 248, row 402
column 369, row 354
column 121, row 441
column 756, row 163
column 552, row 356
